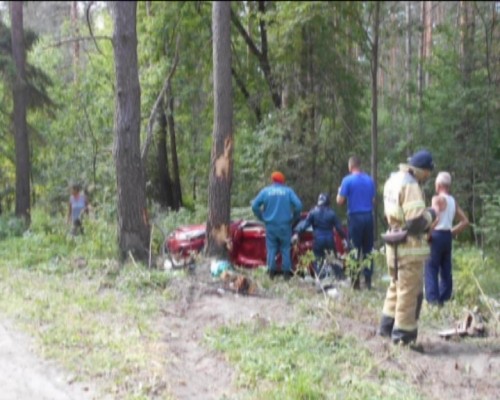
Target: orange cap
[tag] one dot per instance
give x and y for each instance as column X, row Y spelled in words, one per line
column 277, row 176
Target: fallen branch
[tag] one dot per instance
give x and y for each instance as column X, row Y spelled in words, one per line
column 486, row 297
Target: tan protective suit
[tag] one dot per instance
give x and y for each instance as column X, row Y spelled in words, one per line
column 404, row 208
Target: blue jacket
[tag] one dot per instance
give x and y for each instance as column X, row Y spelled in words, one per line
column 323, row 219
column 277, row 204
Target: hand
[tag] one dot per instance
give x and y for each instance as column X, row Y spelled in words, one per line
column 295, row 238
column 345, row 244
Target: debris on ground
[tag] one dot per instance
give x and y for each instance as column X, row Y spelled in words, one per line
column 238, row 283
column 472, row 324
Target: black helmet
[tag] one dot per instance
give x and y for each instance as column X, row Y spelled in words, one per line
column 323, row 199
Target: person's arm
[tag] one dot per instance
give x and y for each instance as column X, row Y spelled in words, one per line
column 69, row 212
column 302, row 226
column 342, row 193
column 297, row 205
column 338, row 227
column 462, row 224
column 87, row 205
column 256, row 204
column 418, row 218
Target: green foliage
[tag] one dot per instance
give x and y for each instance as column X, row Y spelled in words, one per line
column 474, row 274
column 490, row 219
column 304, row 263
column 11, row 226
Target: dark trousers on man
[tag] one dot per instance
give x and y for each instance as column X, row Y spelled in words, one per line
column 361, row 237
column 438, row 279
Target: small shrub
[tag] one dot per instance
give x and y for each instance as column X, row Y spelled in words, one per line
column 11, row 226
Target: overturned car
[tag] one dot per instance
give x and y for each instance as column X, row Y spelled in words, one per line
column 247, row 244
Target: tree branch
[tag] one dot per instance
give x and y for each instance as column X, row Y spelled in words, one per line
column 154, row 110
column 87, row 13
column 246, row 36
column 246, row 95
column 76, row 39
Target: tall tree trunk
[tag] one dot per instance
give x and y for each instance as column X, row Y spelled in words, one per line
column 176, row 182
column 165, row 188
column 408, row 67
column 425, row 53
column 221, row 168
column 374, row 105
column 19, row 94
column 428, row 22
column 468, row 31
column 133, row 226
column 76, row 43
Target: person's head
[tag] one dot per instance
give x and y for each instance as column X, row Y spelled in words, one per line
column 323, row 199
column 421, row 164
column 277, row 177
column 354, row 164
column 443, row 181
column 75, row 188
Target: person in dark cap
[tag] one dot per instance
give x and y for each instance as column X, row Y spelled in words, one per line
column 278, row 206
column 323, row 220
column 409, row 221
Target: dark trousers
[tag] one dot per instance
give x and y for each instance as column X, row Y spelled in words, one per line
column 322, row 244
column 361, row 237
column 278, row 240
column 438, row 279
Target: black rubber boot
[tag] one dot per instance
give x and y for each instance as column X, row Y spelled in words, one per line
column 272, row 274
column 400, row 336
column 386, row 325
column 368, row 282
column 287, row 275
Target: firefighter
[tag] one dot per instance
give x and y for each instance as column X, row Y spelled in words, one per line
column 406, row 213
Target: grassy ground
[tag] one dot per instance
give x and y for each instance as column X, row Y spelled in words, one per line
column 100, row 320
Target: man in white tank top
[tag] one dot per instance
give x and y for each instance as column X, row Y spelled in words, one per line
column 438, row 277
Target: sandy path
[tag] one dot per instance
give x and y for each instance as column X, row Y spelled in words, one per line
column 24, row 376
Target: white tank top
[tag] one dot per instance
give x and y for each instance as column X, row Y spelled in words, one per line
column 447, row 215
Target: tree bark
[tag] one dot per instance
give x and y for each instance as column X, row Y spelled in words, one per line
column 19, row 95
column 76, row 43
column 165, row 189
column 408, row 66
column 133, row 226
column 374, row 105
column 176, row 184
column 221, row 169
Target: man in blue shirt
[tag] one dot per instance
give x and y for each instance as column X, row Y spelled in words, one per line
column 358, row 188
column 278, row 206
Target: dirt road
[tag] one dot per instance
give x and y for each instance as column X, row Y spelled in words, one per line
column 24, row 376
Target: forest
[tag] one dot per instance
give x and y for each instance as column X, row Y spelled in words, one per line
column 139, row 102
column 312, row 84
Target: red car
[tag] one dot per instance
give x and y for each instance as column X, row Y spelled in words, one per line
column 248, row 243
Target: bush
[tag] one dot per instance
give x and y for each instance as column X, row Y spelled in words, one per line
column 473, row 273
column 11, row 226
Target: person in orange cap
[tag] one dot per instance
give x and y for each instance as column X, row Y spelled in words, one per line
column 277, row 205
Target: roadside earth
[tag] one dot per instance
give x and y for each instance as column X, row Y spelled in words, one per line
column 466, row 369
column 25, row 376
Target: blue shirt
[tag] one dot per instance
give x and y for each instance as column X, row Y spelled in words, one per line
column 277, row 204
column 359, row 190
